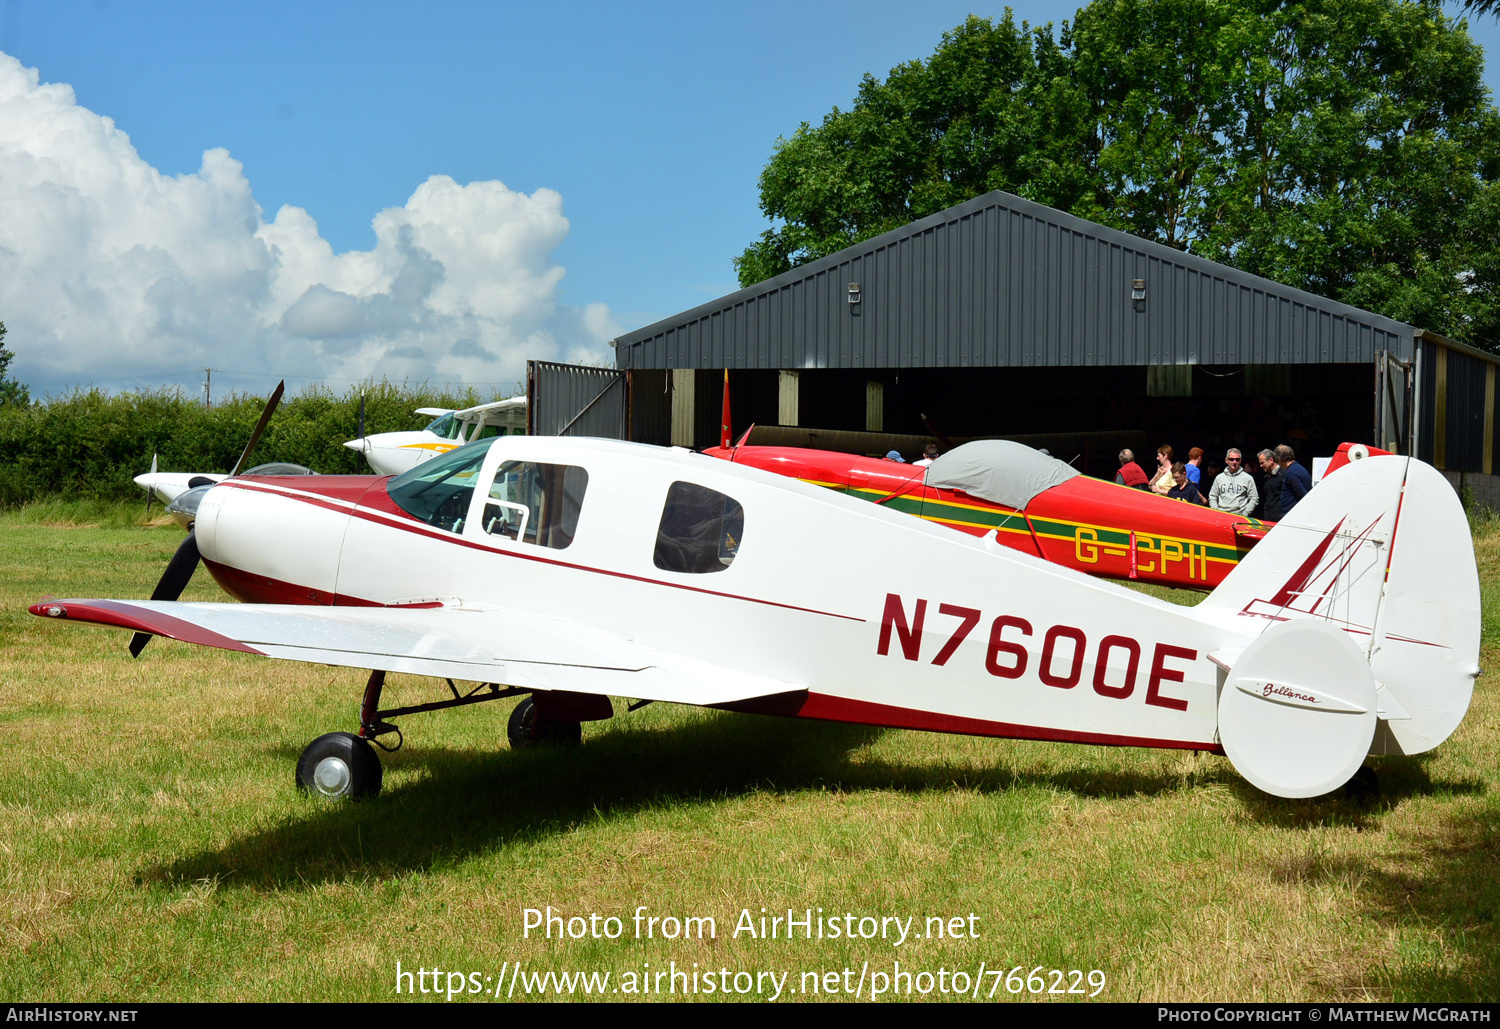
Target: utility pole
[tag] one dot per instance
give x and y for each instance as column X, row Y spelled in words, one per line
column 208, row 378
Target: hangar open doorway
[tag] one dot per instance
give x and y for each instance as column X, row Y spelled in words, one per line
column 1085, row 414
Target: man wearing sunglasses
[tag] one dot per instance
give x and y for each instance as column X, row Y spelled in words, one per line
column 1234, row 488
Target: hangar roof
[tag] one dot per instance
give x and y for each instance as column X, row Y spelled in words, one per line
column 1003, row 282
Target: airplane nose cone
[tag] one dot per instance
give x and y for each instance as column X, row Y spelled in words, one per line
column 184, row 508
column 356, row 444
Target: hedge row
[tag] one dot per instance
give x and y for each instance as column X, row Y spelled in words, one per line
column 92, row 444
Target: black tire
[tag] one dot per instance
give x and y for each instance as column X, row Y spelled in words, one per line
column 526, row 730
column 339, row 765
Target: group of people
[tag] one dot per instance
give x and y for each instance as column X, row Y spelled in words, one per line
column 1283, row 483
column 1234, row 489
column 929, row 455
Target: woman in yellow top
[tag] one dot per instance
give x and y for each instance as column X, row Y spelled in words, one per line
column 1162, row 482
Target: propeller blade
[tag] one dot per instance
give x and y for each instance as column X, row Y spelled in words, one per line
column 173, row 581
column 185, row 562
column 149, row 490
column 260, row 426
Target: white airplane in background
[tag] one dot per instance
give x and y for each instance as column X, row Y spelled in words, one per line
column 391, row 453
column 181, row 491
column 168, row 486
column 576, row 570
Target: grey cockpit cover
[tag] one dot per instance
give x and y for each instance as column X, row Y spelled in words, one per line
column 998, row 470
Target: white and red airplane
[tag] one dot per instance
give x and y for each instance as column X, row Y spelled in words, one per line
column 576, row 570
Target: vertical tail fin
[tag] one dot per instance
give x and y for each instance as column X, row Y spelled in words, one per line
column 1381, row 551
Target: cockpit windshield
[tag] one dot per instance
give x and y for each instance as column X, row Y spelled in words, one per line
column 438, row 491
column 446, row 427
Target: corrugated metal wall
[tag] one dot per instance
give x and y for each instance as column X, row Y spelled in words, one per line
column 1000, row 281
column 1465, row 414
column 1457, row 428
column 576, row 400
column 1426, row 365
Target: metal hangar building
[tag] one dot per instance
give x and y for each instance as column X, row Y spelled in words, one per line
column 1002, row 317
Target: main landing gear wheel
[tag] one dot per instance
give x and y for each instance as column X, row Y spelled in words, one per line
column 339, row 764
column 526, row 729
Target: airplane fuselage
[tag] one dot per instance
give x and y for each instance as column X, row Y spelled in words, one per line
column 881, row 618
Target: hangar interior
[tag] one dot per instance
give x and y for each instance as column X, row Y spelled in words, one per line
column 1092, row 412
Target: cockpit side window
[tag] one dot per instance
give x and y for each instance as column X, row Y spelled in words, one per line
column 536, row 503
column 446, row 427
column 700, row 530
column 438, row 491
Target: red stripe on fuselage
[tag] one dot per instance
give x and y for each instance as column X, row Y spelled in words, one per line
column 863, row 712
column 336, row 487
column 406, row 523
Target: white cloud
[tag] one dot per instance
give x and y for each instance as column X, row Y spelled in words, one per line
column 112, row 272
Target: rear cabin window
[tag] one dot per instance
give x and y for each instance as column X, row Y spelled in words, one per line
column 536, row 503
column 438, row 491
column 700, row 530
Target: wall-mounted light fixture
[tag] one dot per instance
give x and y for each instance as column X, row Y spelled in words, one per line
column 1137, row 289
column 853, row 292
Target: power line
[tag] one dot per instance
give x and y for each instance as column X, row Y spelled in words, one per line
column 180, row 377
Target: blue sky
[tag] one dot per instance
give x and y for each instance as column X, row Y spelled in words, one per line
column 652, row 122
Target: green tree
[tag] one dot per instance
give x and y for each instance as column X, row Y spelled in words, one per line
column 1347, row 147
column 1361, row 160
column 12, row 393
column 991, row 109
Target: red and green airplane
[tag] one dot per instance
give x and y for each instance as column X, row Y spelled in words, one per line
column 1041, row 506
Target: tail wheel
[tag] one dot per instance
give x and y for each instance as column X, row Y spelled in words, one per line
column 1364, row 785
column 339, row 765
column 528, row 729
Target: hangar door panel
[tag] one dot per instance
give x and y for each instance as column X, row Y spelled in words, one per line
column 1392, row 403
column 577, row 400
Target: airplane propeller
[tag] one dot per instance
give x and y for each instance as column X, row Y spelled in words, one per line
column 185, row 561
column 173, row 581
column 149, row 491
column 260, row 427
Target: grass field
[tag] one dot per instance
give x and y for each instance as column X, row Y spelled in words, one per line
column 152, row 846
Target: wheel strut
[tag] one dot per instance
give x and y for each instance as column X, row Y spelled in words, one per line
column 371, row 724
column 372, row 720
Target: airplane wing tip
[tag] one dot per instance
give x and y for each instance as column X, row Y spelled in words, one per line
column 124, row 614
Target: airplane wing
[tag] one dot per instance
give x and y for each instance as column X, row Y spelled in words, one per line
column 494, row 405
column 501, row 645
